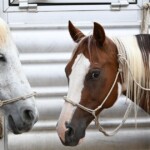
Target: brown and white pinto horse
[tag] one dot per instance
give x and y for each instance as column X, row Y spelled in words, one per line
column 100, row 70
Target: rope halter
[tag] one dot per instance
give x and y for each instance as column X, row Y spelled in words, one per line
column 5, row 102
column 93, row 111
column 121, row 59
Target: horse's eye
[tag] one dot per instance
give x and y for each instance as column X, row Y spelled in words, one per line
column 2, row 58
column 95, row 74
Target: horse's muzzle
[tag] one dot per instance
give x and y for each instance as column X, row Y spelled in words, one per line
column 73, row 136
column 22, row 122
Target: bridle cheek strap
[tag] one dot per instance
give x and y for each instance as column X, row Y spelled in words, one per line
column 5, row 102
column 93, row 112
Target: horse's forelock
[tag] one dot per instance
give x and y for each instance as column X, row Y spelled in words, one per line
column 91, row 50
column 4, row 32
column 88, row 47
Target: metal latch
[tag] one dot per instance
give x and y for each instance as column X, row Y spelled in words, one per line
column 119, row 4
column 24, row 4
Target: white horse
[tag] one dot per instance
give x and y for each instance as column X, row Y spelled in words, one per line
column 17, row 98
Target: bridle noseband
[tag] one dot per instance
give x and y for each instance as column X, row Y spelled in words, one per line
column 5, row 102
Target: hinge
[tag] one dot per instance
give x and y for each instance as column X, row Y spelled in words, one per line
column 119, row 4
column 23, row 4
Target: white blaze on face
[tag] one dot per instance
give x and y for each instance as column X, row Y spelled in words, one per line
column 76, row 84
column 77, row 77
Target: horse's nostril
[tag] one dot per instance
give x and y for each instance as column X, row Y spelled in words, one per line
column 28, row 115
column 70, row 131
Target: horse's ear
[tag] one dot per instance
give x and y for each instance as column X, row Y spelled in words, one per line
column 75, row 33
column 99, row 33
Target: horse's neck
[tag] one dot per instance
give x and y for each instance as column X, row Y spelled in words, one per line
column 144, row 101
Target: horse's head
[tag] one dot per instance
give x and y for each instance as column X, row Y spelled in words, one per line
column 22, row 113
column 91, row 73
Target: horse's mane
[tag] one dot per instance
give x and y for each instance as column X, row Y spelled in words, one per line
column 137, row 54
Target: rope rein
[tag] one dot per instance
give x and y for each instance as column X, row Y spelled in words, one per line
column 121, row 59
column 4, row 102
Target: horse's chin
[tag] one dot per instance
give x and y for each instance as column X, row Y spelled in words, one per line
column 13, row 128
column 81, row 141
column 73, row 144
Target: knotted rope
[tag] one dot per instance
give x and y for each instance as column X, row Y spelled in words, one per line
column 145, row 19
column 122, row 60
